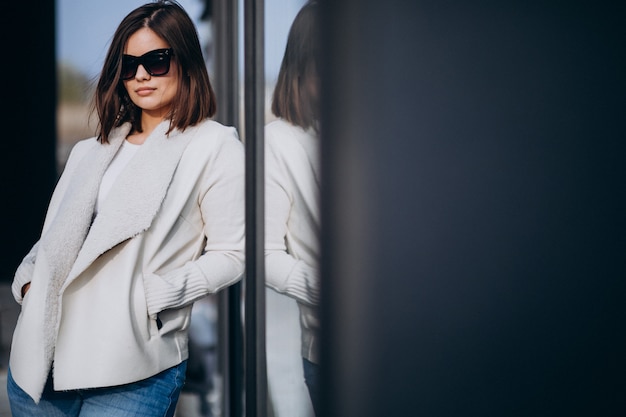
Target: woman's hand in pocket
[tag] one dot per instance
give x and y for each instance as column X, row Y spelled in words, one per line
column 25, row 289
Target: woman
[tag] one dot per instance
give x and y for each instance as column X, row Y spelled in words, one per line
column 292, row 183
column 146, row 218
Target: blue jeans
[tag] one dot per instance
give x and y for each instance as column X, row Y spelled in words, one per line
column 311, row 379
column 153, row 397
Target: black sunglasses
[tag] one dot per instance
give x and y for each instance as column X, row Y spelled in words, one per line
column 155, row 62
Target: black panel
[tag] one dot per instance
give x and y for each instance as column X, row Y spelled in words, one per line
column 475, row 258
column 28, row 120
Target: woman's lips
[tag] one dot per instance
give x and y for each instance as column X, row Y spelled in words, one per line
column 144, row 91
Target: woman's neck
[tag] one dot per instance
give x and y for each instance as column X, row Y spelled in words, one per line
column 148, row 124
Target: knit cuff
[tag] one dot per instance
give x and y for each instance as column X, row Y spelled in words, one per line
column 174, row 289
column 23, row 275
column 303, row 284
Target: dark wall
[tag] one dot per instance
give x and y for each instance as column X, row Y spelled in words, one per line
column 28, row 122
column 474, row 243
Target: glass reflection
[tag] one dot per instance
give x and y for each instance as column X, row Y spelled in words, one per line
column 292, row 221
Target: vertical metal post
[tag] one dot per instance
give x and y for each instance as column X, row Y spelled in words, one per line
column 226, row 80
column 226, row 84
column 254, row 102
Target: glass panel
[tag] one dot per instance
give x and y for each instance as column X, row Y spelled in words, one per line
column 292, row 207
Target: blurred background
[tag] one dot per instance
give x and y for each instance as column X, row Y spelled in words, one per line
column 473, row 199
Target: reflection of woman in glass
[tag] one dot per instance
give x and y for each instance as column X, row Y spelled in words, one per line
column 292, row 185
column 147, row 218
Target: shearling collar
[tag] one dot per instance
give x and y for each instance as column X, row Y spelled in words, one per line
column 137, row 194
column 75, row 238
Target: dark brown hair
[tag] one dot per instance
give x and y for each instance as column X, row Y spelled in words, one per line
column 296, row 97
column 195, row 99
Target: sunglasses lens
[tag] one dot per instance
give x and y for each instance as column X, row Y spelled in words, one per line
column 129, row 67
column 155, row 62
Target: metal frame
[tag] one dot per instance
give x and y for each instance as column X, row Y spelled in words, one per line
column 242, row 343
column 254, row 109
column 226, row 18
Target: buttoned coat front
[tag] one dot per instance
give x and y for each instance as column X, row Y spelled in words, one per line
column 111, row 295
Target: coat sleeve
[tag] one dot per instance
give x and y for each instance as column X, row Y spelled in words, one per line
column 284, row 273
column 222, row 263
column 24, row 273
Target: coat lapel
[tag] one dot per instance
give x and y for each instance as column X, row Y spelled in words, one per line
column 67, row 231
column 136, row 195
column 62, row 241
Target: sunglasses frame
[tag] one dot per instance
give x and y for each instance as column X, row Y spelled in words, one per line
column 144, row 60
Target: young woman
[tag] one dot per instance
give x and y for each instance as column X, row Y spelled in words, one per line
column 292, row 185
column 146, row 218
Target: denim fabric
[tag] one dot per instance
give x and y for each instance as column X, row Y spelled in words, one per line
column 311, row 378
column 153, row 397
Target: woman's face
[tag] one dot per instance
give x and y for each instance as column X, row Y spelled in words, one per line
column 153, row 94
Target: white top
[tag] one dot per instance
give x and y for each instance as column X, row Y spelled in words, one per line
column 119, row 162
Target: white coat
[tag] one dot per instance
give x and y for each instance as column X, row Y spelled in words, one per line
column 292, row 223
column 110, row 296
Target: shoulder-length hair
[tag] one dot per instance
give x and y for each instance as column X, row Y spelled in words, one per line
column 296, row 97
column 195, row 99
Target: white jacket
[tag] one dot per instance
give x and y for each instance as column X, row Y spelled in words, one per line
column 110, row 296
column 292, row 223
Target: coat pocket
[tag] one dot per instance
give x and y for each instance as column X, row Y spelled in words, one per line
column 172, row 320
